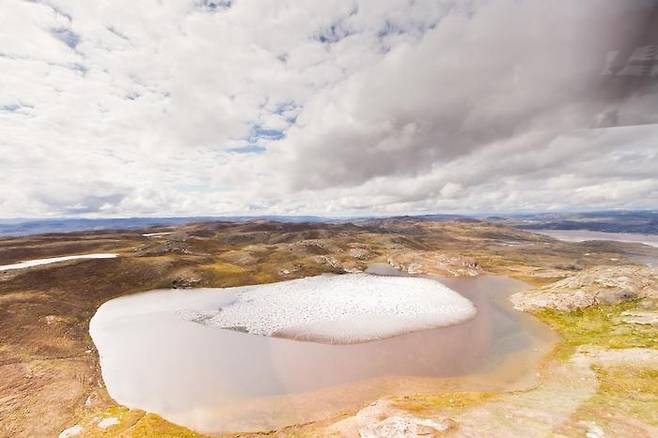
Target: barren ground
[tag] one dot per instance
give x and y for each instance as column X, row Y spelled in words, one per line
column 602, row 378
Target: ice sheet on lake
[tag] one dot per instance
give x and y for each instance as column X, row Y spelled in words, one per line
column 340, row 308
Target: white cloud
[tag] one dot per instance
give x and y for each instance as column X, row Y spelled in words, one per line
column 334, row 107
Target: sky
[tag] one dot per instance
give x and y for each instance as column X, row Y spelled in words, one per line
column 334, row 107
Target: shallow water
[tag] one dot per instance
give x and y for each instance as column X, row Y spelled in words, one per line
column 583, row 235
column 39, row 262
column 213, row 380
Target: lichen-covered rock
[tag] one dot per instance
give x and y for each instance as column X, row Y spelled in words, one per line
column 330, row 261
column 383, row 420
column 360, row 253
column 640, row 317
column 185, row 282
column 430, row 262
column 598, row 285
column 404, row 426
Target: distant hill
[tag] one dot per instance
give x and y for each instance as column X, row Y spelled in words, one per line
column 22, row 227
column 642, row 222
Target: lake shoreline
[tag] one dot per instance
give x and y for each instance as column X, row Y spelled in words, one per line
column 502, row 371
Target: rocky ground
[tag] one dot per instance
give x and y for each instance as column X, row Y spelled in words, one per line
column 594, row 286
column 600, row 381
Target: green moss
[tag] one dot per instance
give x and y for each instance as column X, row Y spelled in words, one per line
column 132, row 423
column 114, row 411
column 426, row 404
column 631, row 393
column 600, row 326
column 634, row 391
column 154, row 426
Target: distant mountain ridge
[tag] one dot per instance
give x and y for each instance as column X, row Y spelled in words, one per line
column 641, row 222
column 23, row 227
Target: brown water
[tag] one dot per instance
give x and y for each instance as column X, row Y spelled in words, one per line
column 215, row 380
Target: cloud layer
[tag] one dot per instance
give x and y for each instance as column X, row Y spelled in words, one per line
column 335, row 107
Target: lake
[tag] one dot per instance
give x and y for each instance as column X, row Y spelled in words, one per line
column 584, row 235
column 213, row 380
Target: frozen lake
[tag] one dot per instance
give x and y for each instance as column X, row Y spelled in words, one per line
column 336, row 309
column 211, row 379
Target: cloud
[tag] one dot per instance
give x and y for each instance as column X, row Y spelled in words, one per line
column 337, row 107
column 465, row 86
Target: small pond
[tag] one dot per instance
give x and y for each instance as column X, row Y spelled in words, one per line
column 212, row 379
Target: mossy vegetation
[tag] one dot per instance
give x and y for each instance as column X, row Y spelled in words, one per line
column 626, row 398
column 600, row 326
column 224, row 268
column 427, row 404
column 625, row 401
column 626, row 395
column 154, row 426
column 131, row 423
column 631, row 391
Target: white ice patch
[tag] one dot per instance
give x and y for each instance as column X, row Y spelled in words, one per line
column 162, row 233
column 107, row 422
column 593, row 430
column 340, row 308
column 37, row 262
column 71, row 431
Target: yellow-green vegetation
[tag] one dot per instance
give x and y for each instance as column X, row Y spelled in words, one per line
column 624, row 400
column 154, row 426
column 131, row 423
column 423, row 404
column 225, row 268
column 225, row 274
column 629, row 391
column 626, row 395
column 625, row 403
column 599, row 326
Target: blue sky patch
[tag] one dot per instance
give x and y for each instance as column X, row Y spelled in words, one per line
column 258, row 132
column 67, row 36
column 250, row 149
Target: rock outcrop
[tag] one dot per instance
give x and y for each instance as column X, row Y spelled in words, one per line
column 383, row 420
column 598, row 285
column 431, row 262
column 163, row 247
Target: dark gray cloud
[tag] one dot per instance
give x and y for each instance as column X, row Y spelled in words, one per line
column 480, row 78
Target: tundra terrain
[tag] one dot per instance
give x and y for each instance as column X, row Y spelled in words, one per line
column 599, row 296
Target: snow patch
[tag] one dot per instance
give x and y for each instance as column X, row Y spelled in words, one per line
column 71, row 431
column 107, row 422
column 162, row 233
column 340, row 308
column 37, row 262
column 593, row 430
